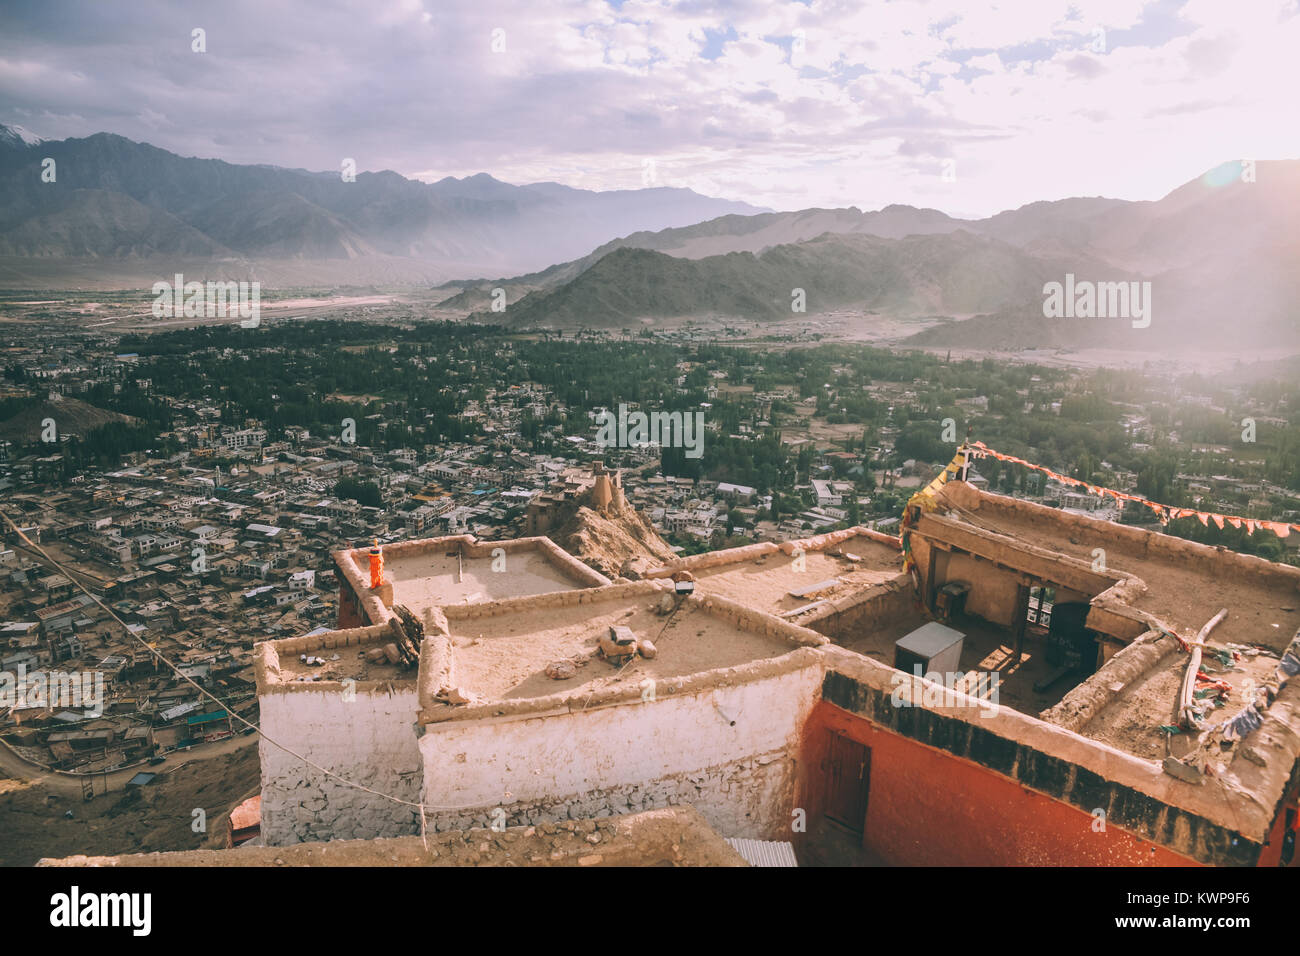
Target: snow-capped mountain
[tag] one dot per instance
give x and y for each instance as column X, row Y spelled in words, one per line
column 17, row 136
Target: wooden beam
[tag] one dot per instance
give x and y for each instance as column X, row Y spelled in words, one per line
column 1022, row 619
column 931, row 590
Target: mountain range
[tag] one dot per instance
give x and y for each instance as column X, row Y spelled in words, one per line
column 136, row 208
column 1222, row 253
column 955, row 273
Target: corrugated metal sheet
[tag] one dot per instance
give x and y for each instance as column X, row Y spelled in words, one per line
column 764, row 852
column 171, row 713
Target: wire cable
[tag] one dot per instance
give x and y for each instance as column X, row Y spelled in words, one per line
column 205, row 693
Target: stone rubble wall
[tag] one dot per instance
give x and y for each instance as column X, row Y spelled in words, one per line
column 674, row 837
column 750, row 798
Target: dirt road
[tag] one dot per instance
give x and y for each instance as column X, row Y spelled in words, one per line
column 16, row 768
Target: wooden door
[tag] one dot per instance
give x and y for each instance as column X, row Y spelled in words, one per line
column 848, row 778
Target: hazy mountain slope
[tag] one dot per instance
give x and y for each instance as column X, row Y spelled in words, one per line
column 756, row 233
column 94, row 223
column 1201, row 219
column 947, row 274
column 1240, row 301
column 1222, row 253
column 1192, row 224
column 476, row 225
column 1222, row 256
column 1060, row 224
column 277, row 224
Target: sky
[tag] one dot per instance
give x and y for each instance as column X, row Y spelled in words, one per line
column 968, row 107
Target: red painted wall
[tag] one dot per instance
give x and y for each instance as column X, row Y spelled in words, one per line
column 928, row 808
column 1271, row 855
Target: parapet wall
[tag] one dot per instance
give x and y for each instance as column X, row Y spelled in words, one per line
column 713, row 559
column 1209, row 823
column 267, row 656
column 369, row 606
column 1081, row 704
column 552, row 599
column 747, row 618
column 1221, row 563
column 821, row 542
column 748, row 552
column 869, row 610
column 554, row 554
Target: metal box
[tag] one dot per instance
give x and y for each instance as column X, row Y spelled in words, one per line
column 934, row 646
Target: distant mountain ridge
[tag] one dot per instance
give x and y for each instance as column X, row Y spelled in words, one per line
column 115, row 199
column 921, row 274
column 1222, row 253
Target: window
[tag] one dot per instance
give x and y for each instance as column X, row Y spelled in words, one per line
column 1040, row 606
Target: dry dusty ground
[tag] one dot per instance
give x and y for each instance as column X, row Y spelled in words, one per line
column 33, row 821
column 426, row 580
column 676, row 836
column 504, row 657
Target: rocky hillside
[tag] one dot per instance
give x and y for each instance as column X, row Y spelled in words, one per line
column 616, row 543
column 71, row 417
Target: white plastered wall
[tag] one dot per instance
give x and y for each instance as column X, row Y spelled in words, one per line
column 629, row 756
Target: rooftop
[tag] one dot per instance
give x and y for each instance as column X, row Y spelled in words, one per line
column 337, row 656
column 1184, row 588
column 460, row 569
column 1147, row 596
column 781, row 579
column 503, row 653
column 1161, row 582
column 443, row 578
column 536, row 649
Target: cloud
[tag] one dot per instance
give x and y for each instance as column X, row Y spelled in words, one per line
column 827, row 103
